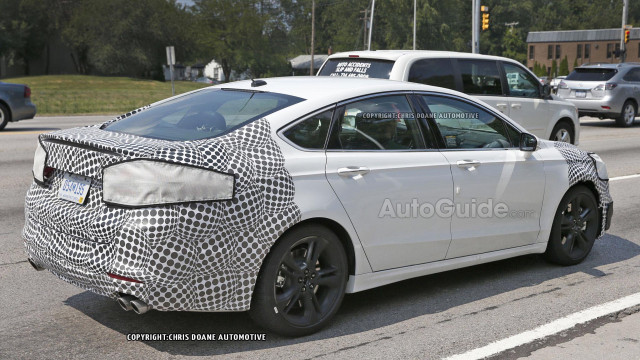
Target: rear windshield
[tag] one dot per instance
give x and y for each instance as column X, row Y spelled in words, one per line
column 204, row 114
column 591, row 74
column 355, row 67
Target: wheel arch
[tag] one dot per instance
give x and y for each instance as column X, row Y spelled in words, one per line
column 632, row 100
column 568, row 121
column 336, row 228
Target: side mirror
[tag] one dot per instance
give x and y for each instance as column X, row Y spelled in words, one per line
column 546, row 90
column 528, row 142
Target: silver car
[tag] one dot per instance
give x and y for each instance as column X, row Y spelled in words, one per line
column 15, row 103
column 604, row 91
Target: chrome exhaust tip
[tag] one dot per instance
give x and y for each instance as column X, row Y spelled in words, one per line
column 139, row 307
column 35, row 266
column 125, row 302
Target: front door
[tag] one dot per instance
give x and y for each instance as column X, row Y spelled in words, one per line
column 498, row 189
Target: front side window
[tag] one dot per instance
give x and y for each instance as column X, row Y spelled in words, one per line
column 382, row 123
column 204, row 114
column 465, row 126
column 480, row 77
column 310, row 133
column 436, row 72
column 521, row 84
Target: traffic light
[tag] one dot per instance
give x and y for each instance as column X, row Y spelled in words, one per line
column 626, row 36
column 485, row 17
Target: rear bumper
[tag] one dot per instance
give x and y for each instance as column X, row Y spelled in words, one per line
column 23, row 112
column 595, row 106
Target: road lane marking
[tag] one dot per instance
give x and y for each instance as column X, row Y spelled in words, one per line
column 624, row 177
column 551, row 328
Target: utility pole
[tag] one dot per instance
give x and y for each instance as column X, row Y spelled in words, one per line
column 414, row 23
column 364, row 32
column 373, row 7
column 475, row 26
column 623, row 46
column 313, row 34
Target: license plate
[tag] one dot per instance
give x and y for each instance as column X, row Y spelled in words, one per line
column 581, row 93
column 74, row 188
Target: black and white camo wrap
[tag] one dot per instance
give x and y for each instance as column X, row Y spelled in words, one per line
column 582, row 169
column 193, row 256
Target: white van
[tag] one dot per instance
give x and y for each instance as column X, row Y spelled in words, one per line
column 502, row 83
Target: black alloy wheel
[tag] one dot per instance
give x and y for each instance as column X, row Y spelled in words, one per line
column 302, row 282
column 575, row 227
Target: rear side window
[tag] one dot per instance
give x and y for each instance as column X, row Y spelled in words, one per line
column 632, row 75
column 204, row 114
column 357, row 67
column 310, row 133
column 382, row 123
column 480, row 77
column 591, row 74
column 436, row 72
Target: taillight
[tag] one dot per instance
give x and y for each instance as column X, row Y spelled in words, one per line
column 27, row 92
column 607, row 86
column 562, row 85
column 48, row 171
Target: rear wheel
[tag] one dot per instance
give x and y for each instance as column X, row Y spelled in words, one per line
column 302, row 282
column 628, row 114
column 562, row 132
column 5, row 116
column 574, row 228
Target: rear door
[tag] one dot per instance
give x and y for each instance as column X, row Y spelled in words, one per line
column 389, row 181
column 483, row 79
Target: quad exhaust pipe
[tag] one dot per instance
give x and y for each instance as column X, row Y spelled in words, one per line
column 35, row 266
column 130, row 302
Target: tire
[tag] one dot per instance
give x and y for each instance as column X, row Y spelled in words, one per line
column 575, row 227
column 628, row 114
column 5, row 116
column 293, row 299
column 562, row 132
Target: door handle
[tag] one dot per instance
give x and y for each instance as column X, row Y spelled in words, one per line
column 516, row 106
column 468, row 164
column 502, row 106
column 353, row 171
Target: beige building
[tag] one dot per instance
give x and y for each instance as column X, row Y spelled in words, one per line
column 581, row 46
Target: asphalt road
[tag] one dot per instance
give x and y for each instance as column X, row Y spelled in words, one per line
column 435, row 316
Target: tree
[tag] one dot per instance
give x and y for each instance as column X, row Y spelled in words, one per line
column 575, row 63
column 554, row 68
column 564, row 67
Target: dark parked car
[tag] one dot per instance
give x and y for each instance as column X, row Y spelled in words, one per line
column 15, row 103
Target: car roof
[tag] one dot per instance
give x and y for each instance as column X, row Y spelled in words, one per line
column 411, row 54
column 607, row 65
column 330, row 88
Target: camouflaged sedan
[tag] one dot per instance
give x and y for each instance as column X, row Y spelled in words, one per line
column 279, row 196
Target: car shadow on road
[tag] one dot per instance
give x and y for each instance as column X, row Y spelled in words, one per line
column 607, row 124
column 360, row 312
column 22, row 129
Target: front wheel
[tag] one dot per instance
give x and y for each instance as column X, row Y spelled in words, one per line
column 628, row 114
column 574, row 228
column 562, row 132
column 301, row 283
